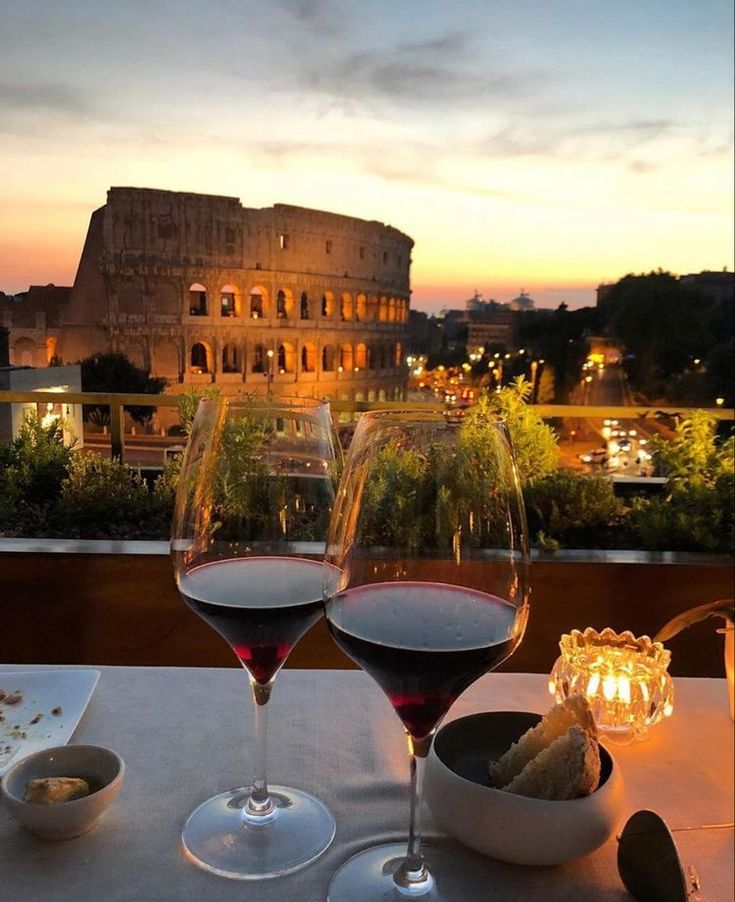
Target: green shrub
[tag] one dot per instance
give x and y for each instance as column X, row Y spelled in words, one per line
column 696, row 512
column 694, row 456
column 32, row 468
column 104, row 499
column 572, row 509
column 534, row 443
column 691, row 517
column 188, row 403
column 447, row 492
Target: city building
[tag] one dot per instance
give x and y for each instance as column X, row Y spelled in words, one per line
column 57, row 379
column 488, row 323
column 200, row 289
column 33, row 319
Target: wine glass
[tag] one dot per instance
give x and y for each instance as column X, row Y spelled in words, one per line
column 427, row 588
column 252, row 509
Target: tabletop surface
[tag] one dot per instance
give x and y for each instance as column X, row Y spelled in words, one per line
column 186, row 734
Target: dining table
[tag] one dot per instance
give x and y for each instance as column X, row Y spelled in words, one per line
column 187, row 733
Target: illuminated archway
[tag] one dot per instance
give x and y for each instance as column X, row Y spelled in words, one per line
column 199, row 358
column 231, row 358
column 198, row 302
column 308, row 357
column 328, row 359
column 229, row 301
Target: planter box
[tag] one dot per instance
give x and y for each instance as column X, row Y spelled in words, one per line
column 74, row 602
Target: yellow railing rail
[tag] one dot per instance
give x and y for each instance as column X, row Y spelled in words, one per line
column 117, row 402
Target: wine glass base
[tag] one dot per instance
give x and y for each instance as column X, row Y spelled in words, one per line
column 368, row 877
column 217, row 838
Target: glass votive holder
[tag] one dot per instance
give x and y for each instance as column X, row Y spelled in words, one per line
column 624, row 679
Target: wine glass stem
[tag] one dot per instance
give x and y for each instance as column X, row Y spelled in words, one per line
column 412, row 878
column 260, row 808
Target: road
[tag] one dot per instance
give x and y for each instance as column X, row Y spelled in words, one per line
column 622, row 445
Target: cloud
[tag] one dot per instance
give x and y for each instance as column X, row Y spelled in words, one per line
column 437, row 71
column 319, row 15
column 42, row 96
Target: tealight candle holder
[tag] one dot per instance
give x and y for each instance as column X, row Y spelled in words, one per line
column 624, row 678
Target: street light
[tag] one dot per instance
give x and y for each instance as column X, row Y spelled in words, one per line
column 535, row 376
column 269, row 375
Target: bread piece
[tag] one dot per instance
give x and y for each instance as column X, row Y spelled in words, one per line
column 555, row 723
column 52, row 790
column 567, row 769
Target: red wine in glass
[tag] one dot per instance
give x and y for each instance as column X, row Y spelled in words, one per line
column 262, row 605
column 423, row 643
column 253, row 502
column 428, row 542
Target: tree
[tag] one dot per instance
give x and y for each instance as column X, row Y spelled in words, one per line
column 662, row 325
column 113, row 372
column 560, row 337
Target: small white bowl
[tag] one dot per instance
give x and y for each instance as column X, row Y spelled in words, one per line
column 503, row 825
column 104, row 768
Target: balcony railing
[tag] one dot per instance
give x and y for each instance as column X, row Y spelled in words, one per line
column 117, row 402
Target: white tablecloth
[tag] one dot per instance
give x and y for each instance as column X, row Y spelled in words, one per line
column 186, row 734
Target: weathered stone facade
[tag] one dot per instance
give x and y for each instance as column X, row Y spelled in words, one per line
column 200, row 289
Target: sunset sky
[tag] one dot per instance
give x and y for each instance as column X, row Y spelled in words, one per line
column 541, row 144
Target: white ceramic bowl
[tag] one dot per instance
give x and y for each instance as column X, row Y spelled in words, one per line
column 103, row 767
column 503, row 825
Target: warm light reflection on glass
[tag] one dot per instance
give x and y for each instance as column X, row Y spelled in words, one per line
column 624, row 678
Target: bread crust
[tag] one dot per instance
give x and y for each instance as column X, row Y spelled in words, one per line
column 557, row 759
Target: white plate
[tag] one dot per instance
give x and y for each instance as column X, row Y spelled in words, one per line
column 41, row 691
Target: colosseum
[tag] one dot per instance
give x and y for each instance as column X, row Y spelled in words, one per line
column 200, row 289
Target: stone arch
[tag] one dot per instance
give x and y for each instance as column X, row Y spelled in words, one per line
column 285, row 357
column 361, row 356
column 381, row 394
column 229, row 301
column 258, row 302
column 24, row 352
column 231, row 358
column 327, row 304
column 259, row 358
column 304, row 309
column 391, row 310
column 361, row 310
column 308, row 357
column 200, row 357
column 383, row 309
column 284, row 303
column 371, row 394
column 198, row 301
column 397, row 354
column 345, row 306
column 345, row 356
column 359, row 395
column 373, row 308
column 328, row 359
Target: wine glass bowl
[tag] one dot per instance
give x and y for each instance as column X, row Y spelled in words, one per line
column 427, row 590
column 253, row 503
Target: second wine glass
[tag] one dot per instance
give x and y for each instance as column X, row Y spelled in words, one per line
column 252, row 508
column 428, row 590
